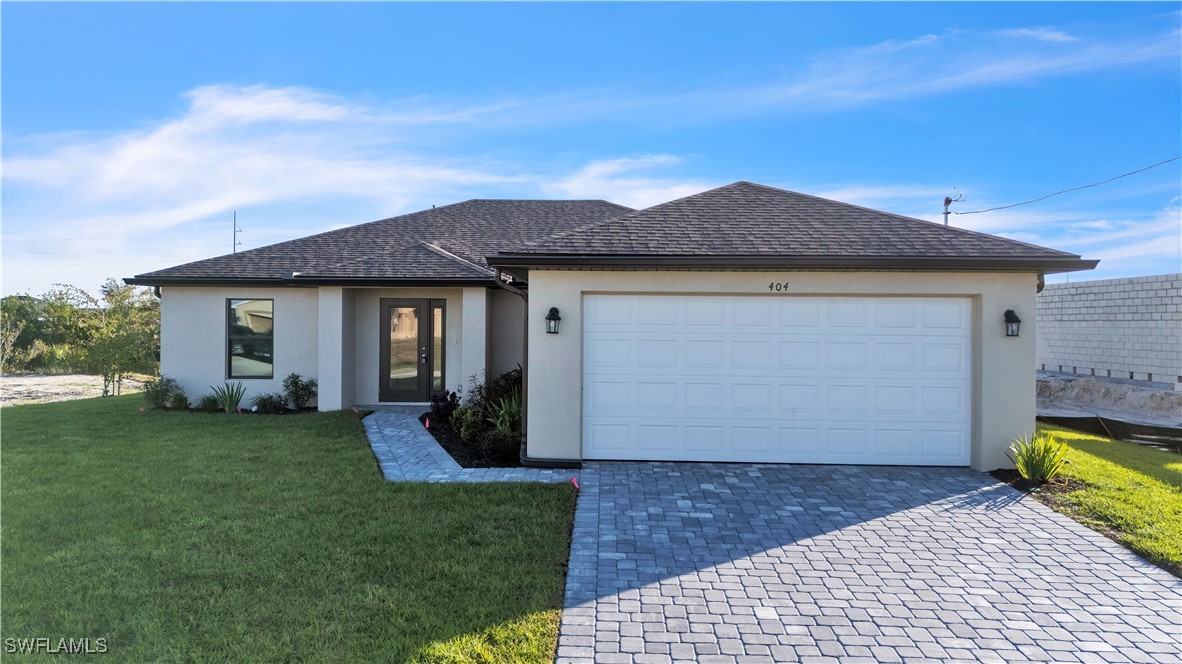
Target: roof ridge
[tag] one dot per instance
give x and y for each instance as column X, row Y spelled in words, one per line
column 450, row 256
column 324, row 271
column 899, row 216
column 623, row 217
column 367, row 224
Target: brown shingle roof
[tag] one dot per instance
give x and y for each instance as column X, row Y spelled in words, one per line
column 441, row 244
column 756, row 220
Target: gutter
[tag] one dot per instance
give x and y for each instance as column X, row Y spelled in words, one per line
column 1043, row 265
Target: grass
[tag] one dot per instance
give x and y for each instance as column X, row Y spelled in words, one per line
column 1128, row 491
column 213, row 537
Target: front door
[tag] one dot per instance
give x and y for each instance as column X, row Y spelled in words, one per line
column 412, row 349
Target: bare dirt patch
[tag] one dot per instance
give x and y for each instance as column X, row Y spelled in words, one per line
column 1131, row 403
column 18, row 389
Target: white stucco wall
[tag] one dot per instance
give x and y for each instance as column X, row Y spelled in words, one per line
column 506, row 344
column 193, row 336
column 337, row 343
column 1003, row 383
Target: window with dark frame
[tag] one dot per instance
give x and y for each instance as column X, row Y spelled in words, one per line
column 250, row 338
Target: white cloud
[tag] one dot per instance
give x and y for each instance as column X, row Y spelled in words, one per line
column 952, row 61
column 80, row 207
column 1041, row 34
column 616, row 180
column 135, row 199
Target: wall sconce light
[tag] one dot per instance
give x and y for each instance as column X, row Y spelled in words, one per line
column 1012, row 323
column 553, row 319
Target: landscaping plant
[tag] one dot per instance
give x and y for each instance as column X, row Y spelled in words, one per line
column 270, row 403
column 443, row 405
column 466, row 421
column 505, row 414
column 159, row 392
column 178, row 401
column 229, row 396
column 498, row 446
column 209, row 404
column 299, row 392
column 1038, row 458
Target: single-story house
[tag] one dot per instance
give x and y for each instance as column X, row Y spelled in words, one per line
column 744, row 323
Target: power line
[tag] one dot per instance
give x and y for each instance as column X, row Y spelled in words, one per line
column 1065, row 191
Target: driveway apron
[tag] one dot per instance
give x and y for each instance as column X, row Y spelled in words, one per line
column 758, row 562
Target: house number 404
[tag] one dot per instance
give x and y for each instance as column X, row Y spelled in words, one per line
column 778, row 286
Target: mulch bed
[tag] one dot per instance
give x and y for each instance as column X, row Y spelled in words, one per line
column 466, row 455
column 1050, row 493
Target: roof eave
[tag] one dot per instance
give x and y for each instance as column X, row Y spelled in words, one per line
column 1044, row 265
column 305, row 281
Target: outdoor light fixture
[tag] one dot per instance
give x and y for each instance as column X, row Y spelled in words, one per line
column 1012, row 323
column 553, row 319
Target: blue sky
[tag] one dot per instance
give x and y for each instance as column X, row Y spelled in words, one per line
column 132, row 131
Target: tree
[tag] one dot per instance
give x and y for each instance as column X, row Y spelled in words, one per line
column 120, row 329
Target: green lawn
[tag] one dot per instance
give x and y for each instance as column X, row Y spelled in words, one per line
column 197, row 537
column 1133, row 493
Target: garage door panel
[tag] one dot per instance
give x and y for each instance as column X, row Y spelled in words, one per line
column 895, row 443
column 799, row 442
column 705, row 312
column 605, row 396
column 778, row 379
column 847, row 313
column 609, row 353
column 653, row 353
column 660, row 312
column 656, row 395
column 751, row 355
column 800, row 355
column 800, row 312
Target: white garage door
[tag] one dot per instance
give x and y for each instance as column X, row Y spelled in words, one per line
column 777, row 378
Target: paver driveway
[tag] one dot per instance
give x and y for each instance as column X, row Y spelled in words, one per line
column 736, row 562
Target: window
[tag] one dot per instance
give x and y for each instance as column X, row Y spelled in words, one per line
column 250, row 335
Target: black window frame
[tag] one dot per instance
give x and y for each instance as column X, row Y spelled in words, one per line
column 230, row 337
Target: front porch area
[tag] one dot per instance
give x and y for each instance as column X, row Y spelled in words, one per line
column 402, row 345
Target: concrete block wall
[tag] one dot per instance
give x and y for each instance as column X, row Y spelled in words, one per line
column 1124, row 328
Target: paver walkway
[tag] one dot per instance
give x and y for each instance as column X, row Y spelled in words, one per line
column 738, row 562
column 406, row 452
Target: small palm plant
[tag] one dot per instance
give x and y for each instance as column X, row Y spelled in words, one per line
column 1038, row 458
column 229, row 396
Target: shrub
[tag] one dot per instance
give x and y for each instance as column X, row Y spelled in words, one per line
column 159, row 392
column 482, row 396
column 229, row 396
column 498, row 446
column 299, row 392
column 467, row 422
column 178, row 401
column 62, row 359
column 270, row 403
column 505, row 414
column 1038, row 458
column 443, row 405
column 209, row 404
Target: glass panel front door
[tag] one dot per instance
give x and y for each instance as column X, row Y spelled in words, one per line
column 404, row 350
column 436, row 347
column 412, row 349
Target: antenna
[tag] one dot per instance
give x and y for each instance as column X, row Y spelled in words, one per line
column 239, row 230
column 948, row 201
